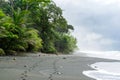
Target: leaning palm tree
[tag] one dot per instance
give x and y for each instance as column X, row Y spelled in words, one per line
column 28, row 37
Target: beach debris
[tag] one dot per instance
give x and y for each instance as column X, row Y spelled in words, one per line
column 26, row 75
column 59, row 73
column 25, row 65
column 14, row 58
column 25, row 72
column 61, row 66
column 22, row 73
column 23, row 79
column 95, row 66
column 29, row 69
column 64, row 57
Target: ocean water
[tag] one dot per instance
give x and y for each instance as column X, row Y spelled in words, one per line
column 103, row 70
column 100, row 54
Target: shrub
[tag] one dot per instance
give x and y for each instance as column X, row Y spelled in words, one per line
column 33, row 40
column 11, row 52
column 2, row 52
column 66, row 44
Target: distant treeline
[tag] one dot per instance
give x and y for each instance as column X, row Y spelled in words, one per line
column 34, row 26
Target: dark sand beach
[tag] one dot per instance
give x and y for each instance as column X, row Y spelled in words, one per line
column 46, row 67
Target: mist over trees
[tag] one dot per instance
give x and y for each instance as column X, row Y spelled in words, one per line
column 34, row 26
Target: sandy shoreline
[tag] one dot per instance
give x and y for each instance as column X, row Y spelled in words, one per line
column 46, row 67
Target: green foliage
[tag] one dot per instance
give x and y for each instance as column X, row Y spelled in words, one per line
column 66, row 44
column 20, row 17
column 2, row 52
column 34, row 42
column 50, row 24
column 11, row 52
column 1, row 14
column 15, row 37
column 49, row 47
column 34, row 25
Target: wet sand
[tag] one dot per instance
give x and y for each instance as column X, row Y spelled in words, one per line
column 46, row 67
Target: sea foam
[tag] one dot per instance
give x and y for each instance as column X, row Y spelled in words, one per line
column 103, row 70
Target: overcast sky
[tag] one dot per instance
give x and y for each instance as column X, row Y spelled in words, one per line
column 96, row 22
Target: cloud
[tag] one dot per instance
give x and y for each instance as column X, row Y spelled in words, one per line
column 97, row 22
column 91, row 41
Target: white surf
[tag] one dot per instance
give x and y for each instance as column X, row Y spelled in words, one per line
column 103, row 70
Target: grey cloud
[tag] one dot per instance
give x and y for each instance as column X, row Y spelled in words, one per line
column 100, row 18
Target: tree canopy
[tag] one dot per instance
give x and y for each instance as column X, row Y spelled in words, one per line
column 34, row 25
